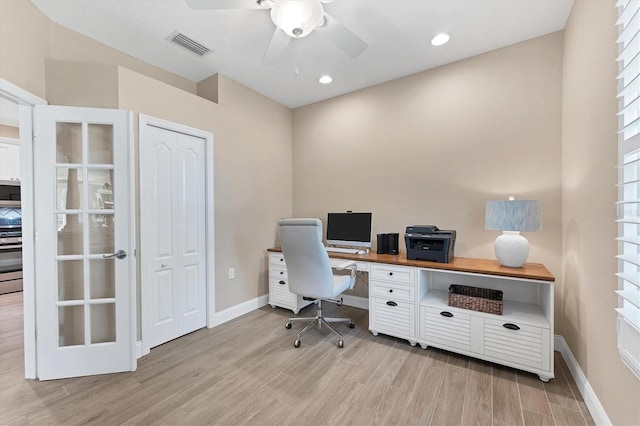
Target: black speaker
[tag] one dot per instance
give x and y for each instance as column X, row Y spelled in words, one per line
column 392, row 242
column 383, row 244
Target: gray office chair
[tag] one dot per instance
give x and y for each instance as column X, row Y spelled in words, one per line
column 309, row 271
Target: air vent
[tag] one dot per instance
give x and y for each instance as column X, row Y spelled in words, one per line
column 189, row 44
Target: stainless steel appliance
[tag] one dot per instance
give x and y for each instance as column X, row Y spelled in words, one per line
column 10, row 246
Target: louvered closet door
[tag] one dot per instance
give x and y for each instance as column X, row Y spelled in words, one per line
column 172, row 180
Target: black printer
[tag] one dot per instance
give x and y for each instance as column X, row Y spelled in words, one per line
column 427, row 242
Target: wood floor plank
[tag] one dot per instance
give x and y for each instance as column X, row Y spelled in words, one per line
column 448, row 410
column 424, row 397
column 536, row 419
column 566, row 416
column 478, row 397
column 532, row 394
column 506, row 400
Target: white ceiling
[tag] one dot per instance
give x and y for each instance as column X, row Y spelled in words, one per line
column 397, row 32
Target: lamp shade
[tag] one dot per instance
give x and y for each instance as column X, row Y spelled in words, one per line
column 513, row 215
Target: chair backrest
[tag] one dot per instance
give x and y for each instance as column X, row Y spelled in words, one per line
column 308, row 267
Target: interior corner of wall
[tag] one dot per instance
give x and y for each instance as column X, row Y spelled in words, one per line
column 208, row 88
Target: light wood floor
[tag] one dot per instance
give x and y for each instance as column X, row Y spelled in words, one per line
column 248, row 372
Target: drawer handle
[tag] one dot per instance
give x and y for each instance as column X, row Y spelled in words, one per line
column 281, row 259
column 511, row 326
column 281, row 272
column 446, row 314
column 392, row 303
column 390, row 290
column 281, row 282
column 390, row 273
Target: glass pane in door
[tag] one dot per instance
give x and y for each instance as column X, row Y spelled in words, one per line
column 70, row 280
column 69, row 193
column 102, row 278
column 70, row 325
column 100, row 143
column 101, row 235
column 68, row 142
column 103, row 323
column 70, row 234
column 100, row 189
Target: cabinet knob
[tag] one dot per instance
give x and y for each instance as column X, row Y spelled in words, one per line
column 446, row 314
column 390, row 290
column 281, row 272
column 511, row 326
column 281, row 282
column 281, row 260
column 164, row 264
column 392, row 303
column 390, row 273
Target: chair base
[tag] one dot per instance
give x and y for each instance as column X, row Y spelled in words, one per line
column 320, row 319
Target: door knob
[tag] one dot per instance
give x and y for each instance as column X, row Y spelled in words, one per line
column 120, row 254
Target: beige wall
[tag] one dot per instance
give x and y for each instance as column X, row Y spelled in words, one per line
column 589, row 193
column 28, row 37
column 433, row 147
column 252, row 171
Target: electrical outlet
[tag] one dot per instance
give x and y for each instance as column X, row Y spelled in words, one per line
column 232, row 273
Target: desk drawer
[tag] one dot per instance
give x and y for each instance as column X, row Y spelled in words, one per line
column 278, row 272
column 392, row 273
column 279, row 293
column 393, row 317
column 395, row 291
column 523, row 346
column 445, row 331
column 277, row 259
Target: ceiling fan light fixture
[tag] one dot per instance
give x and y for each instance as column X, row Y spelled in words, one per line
column 440, row 39
column 325, row 79
column 297, row 18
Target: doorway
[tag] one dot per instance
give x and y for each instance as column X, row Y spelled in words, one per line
column 25, row 102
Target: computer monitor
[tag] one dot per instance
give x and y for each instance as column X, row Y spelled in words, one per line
column 349, row 229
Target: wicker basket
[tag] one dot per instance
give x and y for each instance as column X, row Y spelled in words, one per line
column 475, row 298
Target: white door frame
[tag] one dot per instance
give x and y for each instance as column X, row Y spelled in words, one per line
column 26, row 102
column 143, row 122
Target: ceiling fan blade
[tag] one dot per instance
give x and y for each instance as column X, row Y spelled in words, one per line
column 343, row 37
column 277, row 47
column 223, row 4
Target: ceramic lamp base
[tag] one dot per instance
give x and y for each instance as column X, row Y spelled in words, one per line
column 512, row 249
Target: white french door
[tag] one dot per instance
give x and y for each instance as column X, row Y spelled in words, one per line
column 173, row 234
column 84, row 286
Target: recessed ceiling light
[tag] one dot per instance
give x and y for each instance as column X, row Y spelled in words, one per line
column 325, row 79
column 440, row 39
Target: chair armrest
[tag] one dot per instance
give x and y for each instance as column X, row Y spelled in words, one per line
column 350, row 264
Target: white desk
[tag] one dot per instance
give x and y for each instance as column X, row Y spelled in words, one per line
column 408, row 299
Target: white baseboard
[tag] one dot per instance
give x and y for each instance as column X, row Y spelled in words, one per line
column 238, row 310
column 355, row 301
column 589, row 396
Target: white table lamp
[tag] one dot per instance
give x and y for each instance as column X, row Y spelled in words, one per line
column 512, row 217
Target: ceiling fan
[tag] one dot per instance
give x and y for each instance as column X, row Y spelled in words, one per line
column 294, row 19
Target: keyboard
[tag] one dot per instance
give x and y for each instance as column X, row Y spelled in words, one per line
column 341, row 250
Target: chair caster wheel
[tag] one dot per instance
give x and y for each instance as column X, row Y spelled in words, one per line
column 352, row 325
column 287, row 326
column 340, row 344
column 296, row 344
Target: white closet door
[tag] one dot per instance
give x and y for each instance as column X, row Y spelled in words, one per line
column 172, row 187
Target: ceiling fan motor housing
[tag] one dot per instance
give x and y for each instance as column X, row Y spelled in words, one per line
column 297, row 18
